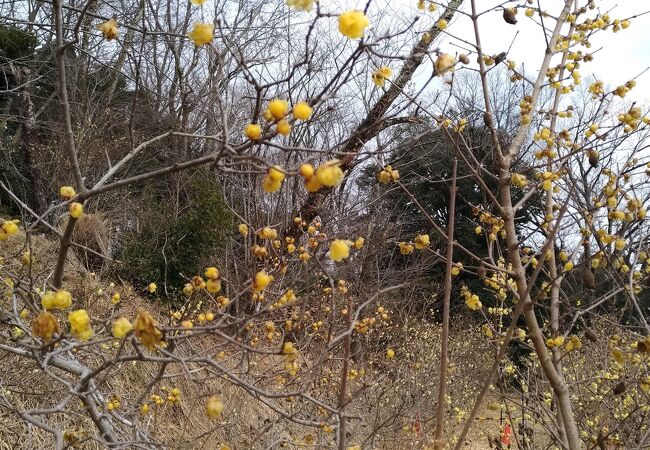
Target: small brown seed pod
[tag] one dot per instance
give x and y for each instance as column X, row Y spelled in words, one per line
column 509, row 15
column 591, row 335
column 588, row 279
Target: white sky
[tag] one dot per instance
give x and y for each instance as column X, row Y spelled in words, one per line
column 622, row 55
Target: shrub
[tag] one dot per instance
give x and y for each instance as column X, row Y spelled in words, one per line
column 170, row 243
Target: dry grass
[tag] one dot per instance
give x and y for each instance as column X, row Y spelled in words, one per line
column 393, row 403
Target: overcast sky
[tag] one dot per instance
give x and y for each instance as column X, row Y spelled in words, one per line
column 623, row 55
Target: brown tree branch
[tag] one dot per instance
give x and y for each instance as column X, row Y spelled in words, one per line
column 438, row 442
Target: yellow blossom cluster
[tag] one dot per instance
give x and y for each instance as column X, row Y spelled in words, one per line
column 201, row 34
column 388, row 174
column 273, row 180
column 113, row 404
column 122, row 327
column 291, row 358
column 557, row 341
column 109, row 29
column 288, row 298
column 444, row 63
column 261, row 281
column 471, row 300
column 494, row 225
column 328, row 174
column 214, row 407
column 631, row 119
column 60, row 299
column 353, row 23
column 622, row 90
column 80, row 324
column 213, row 283
column 380, row 75
column 8, row 228
column 547, row 178
column 339, row 250
column 519, row 180
column 573, row 343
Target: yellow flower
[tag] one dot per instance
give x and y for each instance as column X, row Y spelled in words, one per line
column 312, row 184
column 304, row 5
column 214, row 407
column 306, row 170
column 273, row 179
column 339, row 250
column 568, row 266
column 212, row 272
column 80, row 324
column 152, row 288
column 268, row 233
column 261, row 281
column 283, row 127
column 108, row 29
column 380, row 75
column 27, row 259
column 10, row 227
column 289, row 349
column 519, row 180
column 278, row 108
column 555, row 342
column 253, row 131
column 146, row 329
column 388, row 174
column 405, row 248
column 67, row 192
column 60, row 299
column 442, row 24
column 421, row 241
column 619, row 244
column 574, row 343
column 390, row 353
column 121, row 327
column 243, row 229
column 76, row 210
column 352, row 24
column 213, row 285
column 358, row 243
column 198, row 2
column 45, row 325
column 444, row 63
column 330, row 173
column 201, row 34
column 473, row 302
column 302, row 111
column 618, row 355
column 115, row 299
column 487, row 331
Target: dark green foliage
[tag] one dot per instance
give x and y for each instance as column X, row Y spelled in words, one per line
column 15, row 43
column 173, row 243
column 424, row 158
